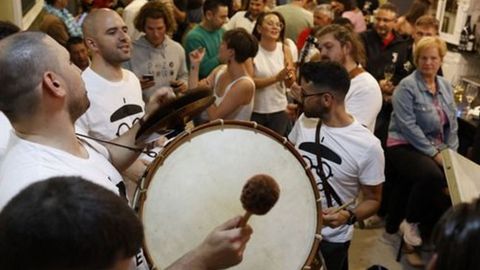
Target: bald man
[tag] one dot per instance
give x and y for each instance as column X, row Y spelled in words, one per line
column 115, row 93
column 43, row 110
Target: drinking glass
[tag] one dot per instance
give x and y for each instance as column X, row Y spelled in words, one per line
column 458, row 90
column 389, row 71
column 470, row 94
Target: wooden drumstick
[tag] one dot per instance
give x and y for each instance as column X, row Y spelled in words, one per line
column 343, row 206
column 259, row 195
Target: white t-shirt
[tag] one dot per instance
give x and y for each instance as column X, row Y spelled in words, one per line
column 270, row 99
column 240, row 20
column 5, row 129
column 114, row 106
column 350, row 155
column 243, row 112
column 364, row 99
column 27, row 162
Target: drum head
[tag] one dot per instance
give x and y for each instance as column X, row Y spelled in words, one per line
column 196, row 186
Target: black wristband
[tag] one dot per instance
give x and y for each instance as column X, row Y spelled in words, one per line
column 352, row 219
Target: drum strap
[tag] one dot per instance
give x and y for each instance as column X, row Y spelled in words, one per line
column 328, row 190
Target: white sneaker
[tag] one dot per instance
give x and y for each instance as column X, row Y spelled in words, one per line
column 411, row 234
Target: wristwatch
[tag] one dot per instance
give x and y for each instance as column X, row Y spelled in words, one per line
column 352, row 219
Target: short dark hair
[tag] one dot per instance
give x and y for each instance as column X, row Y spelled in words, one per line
column 74, row 41
column 417, row 9
column 51, row 2
column 213, row 5
column 260, row 20
column 344, row 22
column 427, row 21
column 20, row 54
column 456, row 238
column 327, row 75
column 389, row 6
column 67, row 223
column 7, row 28
column 244, row 44
column 155, row 10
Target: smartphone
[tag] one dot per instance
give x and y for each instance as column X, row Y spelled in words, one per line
column 148, row 77
column 175, row 84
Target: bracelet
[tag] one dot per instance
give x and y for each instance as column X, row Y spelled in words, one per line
column 352, row 219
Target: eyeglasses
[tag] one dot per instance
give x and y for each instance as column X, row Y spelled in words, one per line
column 305, row 95
column 386, row 20
column 272, row 24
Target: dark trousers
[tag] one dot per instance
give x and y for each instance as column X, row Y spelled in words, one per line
column 381, row 132
column 277, row 121
column 418, row 185
column 335, row 255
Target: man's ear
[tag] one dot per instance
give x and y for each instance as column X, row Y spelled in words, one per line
column 347, row 48
column 91, row 44
column 432, row 264
column 53, row 84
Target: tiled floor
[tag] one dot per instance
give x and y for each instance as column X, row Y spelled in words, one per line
column 370, row 247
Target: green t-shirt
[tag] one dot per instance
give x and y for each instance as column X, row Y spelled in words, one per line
column 199, row 37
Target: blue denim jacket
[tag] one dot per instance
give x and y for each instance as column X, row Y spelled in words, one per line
column 415, row 119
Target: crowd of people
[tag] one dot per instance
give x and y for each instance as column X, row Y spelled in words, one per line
column 363, row 101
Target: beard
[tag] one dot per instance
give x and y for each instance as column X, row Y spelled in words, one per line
column 314, row 110
column 341, row 59
column 78, row 106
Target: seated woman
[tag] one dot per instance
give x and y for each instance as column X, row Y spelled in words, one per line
column 233, row 88
column 422, row 124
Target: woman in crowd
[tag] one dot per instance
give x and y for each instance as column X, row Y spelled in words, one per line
column 348, row 9
column 405, row 24
column 233, row 88
column 273, row 72
column 423, row 123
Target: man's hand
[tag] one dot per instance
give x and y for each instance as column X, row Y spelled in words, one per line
column 178, row 86
column 386, row 86
column 224, row 246
column 159, row 98
column 292, row 111
column 296, row 92
column 146, row 83
column 332, row 219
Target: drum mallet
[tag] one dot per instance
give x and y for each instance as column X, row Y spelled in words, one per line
column 259, row 195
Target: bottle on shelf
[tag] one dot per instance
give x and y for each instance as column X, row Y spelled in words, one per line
column 471, row 40
column 462, row 46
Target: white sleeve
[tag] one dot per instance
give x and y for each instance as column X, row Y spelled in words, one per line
column 372, row 166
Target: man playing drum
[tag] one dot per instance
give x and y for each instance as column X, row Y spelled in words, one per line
column 43, row 108
column 344, row 156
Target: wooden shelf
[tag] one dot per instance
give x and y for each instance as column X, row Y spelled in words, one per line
column 472, row 80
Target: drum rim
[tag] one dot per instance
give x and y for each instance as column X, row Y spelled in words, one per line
column 185, row 136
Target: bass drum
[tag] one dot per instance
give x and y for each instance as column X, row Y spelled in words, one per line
column 195, row 185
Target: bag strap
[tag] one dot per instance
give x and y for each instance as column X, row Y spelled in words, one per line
column 329, row 191
column 356, row 71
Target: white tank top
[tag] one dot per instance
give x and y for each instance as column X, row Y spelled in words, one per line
column 243, row 112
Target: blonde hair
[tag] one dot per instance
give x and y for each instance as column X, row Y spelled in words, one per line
column 429, row 42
